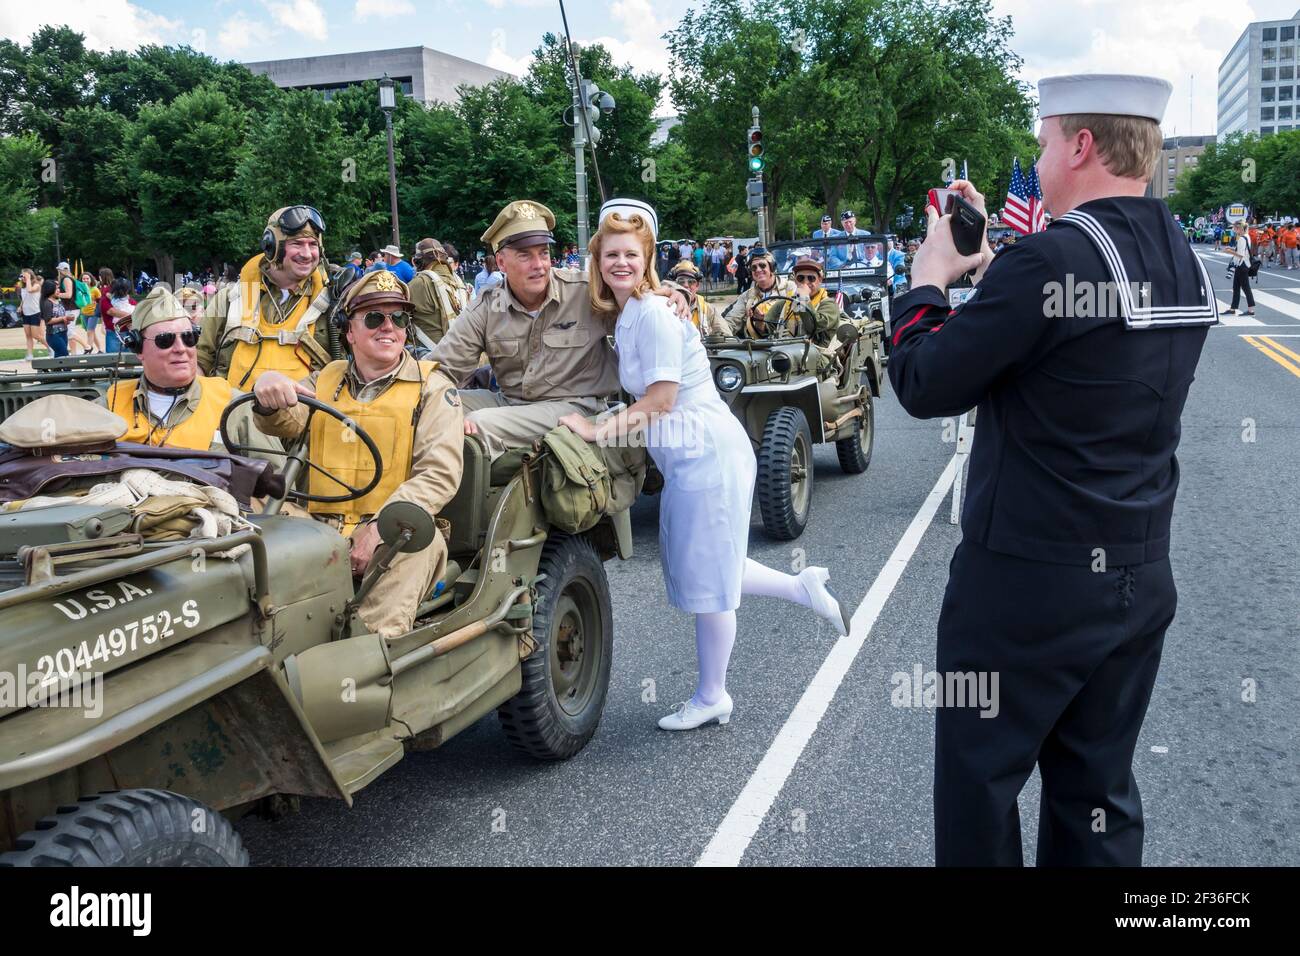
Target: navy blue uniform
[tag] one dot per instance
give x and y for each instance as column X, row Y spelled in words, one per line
column 1061, row 584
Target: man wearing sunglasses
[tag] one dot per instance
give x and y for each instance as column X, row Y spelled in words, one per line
column 170, row 405
column 815, row 302
column 745, row 317
column 413, row 415
column 704, row 316
column 268, row 320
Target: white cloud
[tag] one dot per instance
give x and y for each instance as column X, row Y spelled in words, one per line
column 383, row 9
column 237, row 34
column 107, row 24
column 1173, row 39
column 301, row 16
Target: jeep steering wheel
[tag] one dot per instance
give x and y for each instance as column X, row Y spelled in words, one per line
column 296, row 452
column 753, row 308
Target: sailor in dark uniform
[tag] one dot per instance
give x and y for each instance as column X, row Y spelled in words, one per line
column 1078, row 346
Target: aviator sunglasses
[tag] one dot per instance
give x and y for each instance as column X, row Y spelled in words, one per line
column 165, row 340
column 805, row 277
column 375, row 320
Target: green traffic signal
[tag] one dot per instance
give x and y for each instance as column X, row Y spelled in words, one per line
column 756, row 164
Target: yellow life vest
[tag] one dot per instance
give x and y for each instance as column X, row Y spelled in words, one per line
column 263, row 345
column 197, row 432
column 389, row 420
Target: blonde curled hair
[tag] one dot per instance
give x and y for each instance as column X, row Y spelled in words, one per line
column 602, row 299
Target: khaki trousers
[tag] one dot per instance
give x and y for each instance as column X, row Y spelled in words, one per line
column 506, row 423
column 389, row 609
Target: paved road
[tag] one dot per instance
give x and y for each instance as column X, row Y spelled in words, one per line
column 1218, row 774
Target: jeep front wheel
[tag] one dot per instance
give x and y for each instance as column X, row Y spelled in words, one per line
column 130, row 828
column 566, row 679
column 785, row 474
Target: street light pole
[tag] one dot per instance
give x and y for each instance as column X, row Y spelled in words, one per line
column 58, row 256
column 387, row 102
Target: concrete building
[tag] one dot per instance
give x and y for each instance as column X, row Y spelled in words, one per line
column 1179, row 153
column 1257, row 80
column 424, row 74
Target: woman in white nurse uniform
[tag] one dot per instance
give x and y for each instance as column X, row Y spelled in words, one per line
column 701, row 449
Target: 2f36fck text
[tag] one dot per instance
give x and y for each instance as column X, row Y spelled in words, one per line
column 1195, row 898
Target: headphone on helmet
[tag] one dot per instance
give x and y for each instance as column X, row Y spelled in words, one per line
column 132, row 341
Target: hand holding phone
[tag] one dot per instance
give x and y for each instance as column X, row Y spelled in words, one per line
column 967, row 225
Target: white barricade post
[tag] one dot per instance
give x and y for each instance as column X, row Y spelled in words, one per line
column 965, row 436
column 965, row 425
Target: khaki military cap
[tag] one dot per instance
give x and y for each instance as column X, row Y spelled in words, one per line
column 158, row 306
column 380, row 287
column 522, row 223
column 805, row 262
column 61, row 420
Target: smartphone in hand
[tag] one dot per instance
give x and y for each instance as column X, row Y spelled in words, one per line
column 967, row 225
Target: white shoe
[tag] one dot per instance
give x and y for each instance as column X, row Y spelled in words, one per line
column 690, row 715
column 824, row 603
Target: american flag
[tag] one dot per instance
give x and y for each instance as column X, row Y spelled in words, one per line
column 1024, row 211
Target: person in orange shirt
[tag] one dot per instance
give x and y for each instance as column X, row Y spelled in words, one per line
column 1266, row 244
column 1290, row 237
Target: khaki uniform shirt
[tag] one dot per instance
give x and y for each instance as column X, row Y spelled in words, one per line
column 738, row 311
column 560, row 355
column 215, row 349
column 826, row 314
column 437, row 457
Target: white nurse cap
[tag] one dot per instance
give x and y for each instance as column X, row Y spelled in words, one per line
column 629, row 207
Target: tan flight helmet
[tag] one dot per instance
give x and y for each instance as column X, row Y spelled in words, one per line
column 286, row 222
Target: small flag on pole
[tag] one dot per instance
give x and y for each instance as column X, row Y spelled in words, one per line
column 1024, row 211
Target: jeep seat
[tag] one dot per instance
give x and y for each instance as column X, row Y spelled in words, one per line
column 468, row 509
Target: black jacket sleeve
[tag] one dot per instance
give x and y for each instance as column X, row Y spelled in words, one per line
column 944, row 362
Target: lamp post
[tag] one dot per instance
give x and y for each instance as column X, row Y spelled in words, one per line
column 387, row 103
column 58, row 256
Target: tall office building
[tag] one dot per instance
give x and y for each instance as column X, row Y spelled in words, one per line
column 1257, row 80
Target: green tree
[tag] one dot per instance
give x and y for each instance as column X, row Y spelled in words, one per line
column 466, row 162
column 183, row 160
column 20, row 167
column 299, row 153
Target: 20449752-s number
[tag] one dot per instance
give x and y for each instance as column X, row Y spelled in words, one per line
column 116, row 643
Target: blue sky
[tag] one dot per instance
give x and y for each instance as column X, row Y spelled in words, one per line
column 1181, row 40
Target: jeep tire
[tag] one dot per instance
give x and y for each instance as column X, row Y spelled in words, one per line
column 566, row 679
column 130, row 828
column 785, row 474
column 855, row 451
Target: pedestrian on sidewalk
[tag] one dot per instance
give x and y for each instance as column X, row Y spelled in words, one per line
column 29, row 293
column 55, row 317
column 1241, row 273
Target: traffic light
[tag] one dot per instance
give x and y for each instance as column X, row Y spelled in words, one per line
column 754, row 190
column 755, row 149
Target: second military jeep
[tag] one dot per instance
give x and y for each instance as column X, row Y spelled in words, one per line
column 150, row 691
column 791, row 394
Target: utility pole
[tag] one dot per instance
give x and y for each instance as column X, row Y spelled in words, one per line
column 588, row 103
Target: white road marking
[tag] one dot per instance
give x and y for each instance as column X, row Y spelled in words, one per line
column 746, row 815
column 1160, row 750
column 1278, row 304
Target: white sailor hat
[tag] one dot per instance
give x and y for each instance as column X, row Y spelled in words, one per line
column 631, row 207
column 1111, row 93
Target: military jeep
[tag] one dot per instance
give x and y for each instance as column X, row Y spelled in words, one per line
column 157, row 690
column 791, row 394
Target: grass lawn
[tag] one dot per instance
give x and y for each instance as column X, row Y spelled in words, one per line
column 7, row 355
